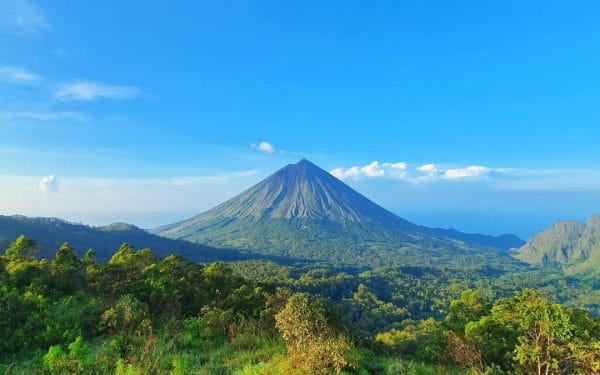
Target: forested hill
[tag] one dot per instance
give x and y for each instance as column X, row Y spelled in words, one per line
column 304, row 211
column 138, row 314
column 52, row 233
column 570, row 245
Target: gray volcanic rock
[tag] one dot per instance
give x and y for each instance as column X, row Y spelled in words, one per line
column 298, row 191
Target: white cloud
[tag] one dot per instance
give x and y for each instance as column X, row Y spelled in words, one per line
column 396, row 170
column 373, row 170
column 17, row 74
column 349, row 173
column 428, row 169
column 498, row 178
column 468, row 172
column 398, row 166
column 88, row 90
column 21, row 17
column 403, row 171
column 44, row 116
column 265, row 147
column 48, row 183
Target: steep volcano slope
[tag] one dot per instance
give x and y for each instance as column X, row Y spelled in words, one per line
column 304, row 211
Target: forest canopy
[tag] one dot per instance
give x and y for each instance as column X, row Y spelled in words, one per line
column 140, row 314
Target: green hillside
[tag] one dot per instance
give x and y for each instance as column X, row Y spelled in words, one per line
column 52, row 233
column 138, row 314
column 571, row 246
column 303, row 211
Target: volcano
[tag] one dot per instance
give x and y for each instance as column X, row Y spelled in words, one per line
column 303, row 211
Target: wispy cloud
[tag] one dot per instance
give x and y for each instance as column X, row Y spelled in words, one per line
column 22, row 17
column 16, row 74
column 265, row 147
column 374, row 169
column 428, row 169
column 90, row 90
column 43, row 116
column 498, row 178
column 404, row 171
column 468, row 172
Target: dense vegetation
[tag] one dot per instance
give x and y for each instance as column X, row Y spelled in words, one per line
column 52, row 232
column 139, row 314
column 341, row 243
column 568, row 246
column 303, row 212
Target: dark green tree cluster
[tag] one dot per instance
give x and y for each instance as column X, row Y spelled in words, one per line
column 140, row 314
column 524, row 334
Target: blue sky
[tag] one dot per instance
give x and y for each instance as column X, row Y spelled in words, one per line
column 483, row 116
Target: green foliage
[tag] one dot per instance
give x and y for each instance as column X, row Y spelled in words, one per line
column 366, row 313
column 409, row 338
column 51, row 233
column 525, row 334
column 69, row 317
column 22, row 249
column 66, row 258
column 567, row 245
column 313, row 344
column 140, row 314
column 129, row 317
column 76, row 361
column 546, row 335
column 470, row 306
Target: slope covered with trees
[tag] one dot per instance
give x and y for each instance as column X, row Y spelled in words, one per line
column 568, row 245
column 303, row 211
column 53, row 232
column 139, row 314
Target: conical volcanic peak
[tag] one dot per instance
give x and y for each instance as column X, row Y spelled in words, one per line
column 304, row 211
column 303, row 190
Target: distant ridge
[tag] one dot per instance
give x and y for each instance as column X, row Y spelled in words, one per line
column 50, row 233
column 302, row 210
column 570, row 245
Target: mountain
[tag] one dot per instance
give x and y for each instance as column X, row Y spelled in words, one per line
column 50, row 233
column 570, row 245
column 304, row 211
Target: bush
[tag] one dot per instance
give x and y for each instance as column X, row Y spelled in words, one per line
column 56, row 361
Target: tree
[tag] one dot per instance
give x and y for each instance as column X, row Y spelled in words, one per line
column 494, row 340
column 550, row 339
column 66, row 258
column 366, row 313
column 89, row 258
column 312, row 343
column 463, row 353
column 469, row 307
column 129, row 316
column 22, row 249
column 123, row 255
